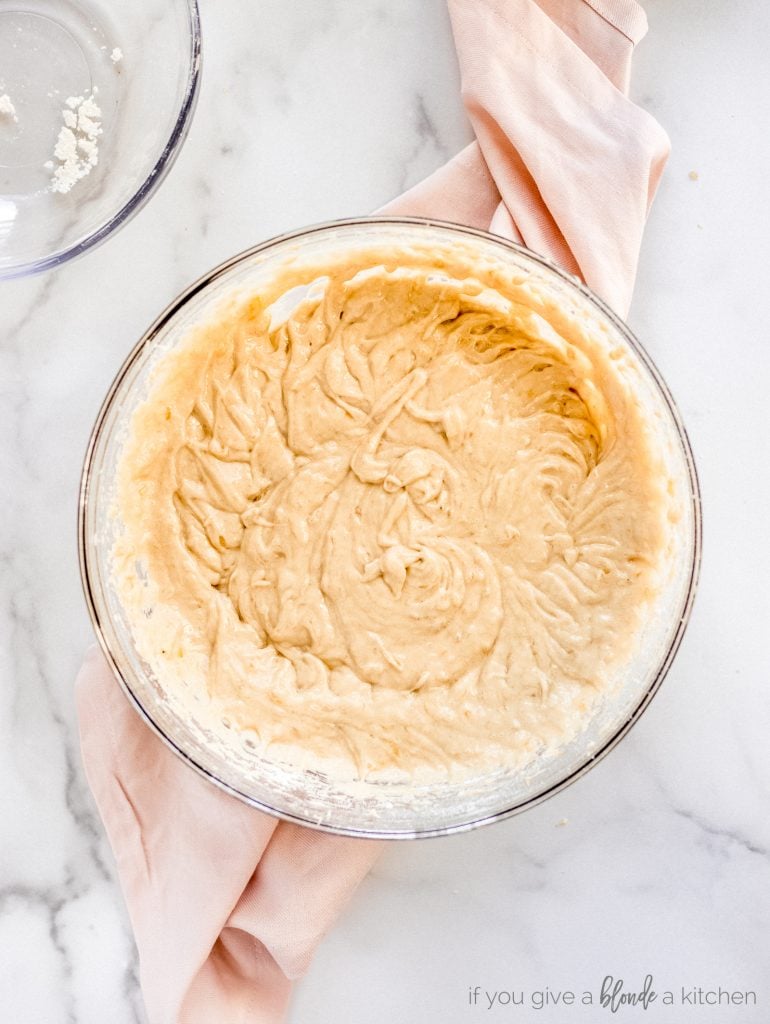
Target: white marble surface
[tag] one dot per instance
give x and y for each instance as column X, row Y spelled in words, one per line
column 320, row 108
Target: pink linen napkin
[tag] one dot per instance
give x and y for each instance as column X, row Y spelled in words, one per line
column 227, row 904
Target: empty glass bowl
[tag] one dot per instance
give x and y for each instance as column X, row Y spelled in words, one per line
column 95, row 102
column 354, row 807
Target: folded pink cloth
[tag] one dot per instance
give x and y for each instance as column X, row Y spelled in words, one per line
column 227, row 904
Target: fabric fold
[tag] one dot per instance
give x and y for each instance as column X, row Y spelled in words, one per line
column 575, row 161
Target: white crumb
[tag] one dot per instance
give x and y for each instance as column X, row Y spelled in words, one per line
column 89, row 118
column 7, row 108
column 66, row 145
column 77, row 147
column 90, row 149
column 117, row 55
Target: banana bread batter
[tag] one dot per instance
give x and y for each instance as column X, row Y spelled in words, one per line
column 417, row 525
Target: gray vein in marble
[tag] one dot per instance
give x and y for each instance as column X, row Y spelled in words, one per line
column 25, row 625
column 131, row 988
column 729, row 837
column 700, row 820
column 53, row 903
column 203, row 191
column 428, row 151
column 42, row 291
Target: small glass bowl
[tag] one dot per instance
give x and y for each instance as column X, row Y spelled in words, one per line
column 140, row 64
column 376, row 809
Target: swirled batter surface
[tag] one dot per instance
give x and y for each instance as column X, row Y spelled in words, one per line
column 415, row 525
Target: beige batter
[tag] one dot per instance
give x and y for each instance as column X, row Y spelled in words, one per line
column 417, row 525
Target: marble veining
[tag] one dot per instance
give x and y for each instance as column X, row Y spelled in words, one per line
column 659, row 860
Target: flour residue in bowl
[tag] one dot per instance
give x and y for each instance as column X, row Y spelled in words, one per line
column 417, row 524
column 77, row 145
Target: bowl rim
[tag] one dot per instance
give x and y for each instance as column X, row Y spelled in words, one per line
column 685, row 611
column 146, row 190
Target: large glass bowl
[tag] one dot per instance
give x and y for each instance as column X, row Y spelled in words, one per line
column 140, row 64
column 376, row 809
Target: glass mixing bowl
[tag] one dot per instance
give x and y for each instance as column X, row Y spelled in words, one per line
column 69, row 181
column 376, row 809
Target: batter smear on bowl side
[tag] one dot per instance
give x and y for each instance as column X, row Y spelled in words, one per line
column 419, row 524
